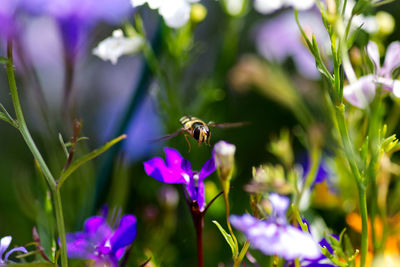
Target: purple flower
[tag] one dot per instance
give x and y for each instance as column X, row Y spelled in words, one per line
column 323, row 172
column 322, row 260
column 177, row 170
column 4, row 244
column 362, row 92
column 274, row 236
column 280, row 38
column 9, row 10
column 76, row 18
column 100, row 242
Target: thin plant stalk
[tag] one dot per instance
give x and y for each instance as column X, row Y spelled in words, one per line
column 241, row 255
column 23, row 129
column 362, row 193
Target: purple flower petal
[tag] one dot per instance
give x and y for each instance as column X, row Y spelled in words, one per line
column 285, row 241
column 243, row 222
column 201, row 199
column 196, row 191
column 325, row 243
column 97, row 230
column 362, row 92
column 280, row 205
column 4, row 244
column 173, row 158
column 79, row 246
column 373, row 53
column 187, row 167
column 392, row 60
column 20, row 249
column 207, row 169
column 157, row 169
column 390, row 85
column 279, row 38
column 125, row 233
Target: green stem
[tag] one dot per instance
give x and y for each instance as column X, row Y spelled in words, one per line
column 362, row 196
column 227, row 208
column 242, row 253
column 60, row 226
column 23, row 128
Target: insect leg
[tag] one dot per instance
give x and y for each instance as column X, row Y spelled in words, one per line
column 209, row 138
column 186, row 135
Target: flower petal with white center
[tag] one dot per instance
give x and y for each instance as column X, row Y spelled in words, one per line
column 373, row 53
column 392, row 59
column 361, row 92
column 117, row 45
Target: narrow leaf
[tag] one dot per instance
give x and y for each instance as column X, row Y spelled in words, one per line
column 79, row 162
column 5, row 116
column 68, row 144
column 3, row 60
column 64, row 147
column 227, row 237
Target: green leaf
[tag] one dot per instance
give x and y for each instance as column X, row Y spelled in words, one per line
column 5, row 116
column 360, row 7
column 79, row 162
column 228, row 238
column 64, row 147
column 45, row 227
column 68, row 144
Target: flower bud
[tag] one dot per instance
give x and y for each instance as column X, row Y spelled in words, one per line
column 224, row 159
column 197, row 13
column 386, row 22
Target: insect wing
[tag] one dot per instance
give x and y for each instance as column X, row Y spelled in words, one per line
column 166, row 137
column 227, row 124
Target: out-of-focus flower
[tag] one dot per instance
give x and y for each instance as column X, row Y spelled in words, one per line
column 8, row 9
column 362, row 92
column 176, row 13
column 280, row 38
column 275, row 236
column 117, row 45
column 322, row 174
column 168, row 196
column 100, row 242
column 269, row 6
column 386, row 22
column 234, row 7
column 4, row 244
column 269, row 178
column 391, row 247
column 224, row 156
column 77, row 17
column 178, row 170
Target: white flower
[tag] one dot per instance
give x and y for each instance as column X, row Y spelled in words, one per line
column 117, row 45
column 176, row 13
column 269, row 6
column 367, row 23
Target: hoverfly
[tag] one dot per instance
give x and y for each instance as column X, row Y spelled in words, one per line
column 198, row 129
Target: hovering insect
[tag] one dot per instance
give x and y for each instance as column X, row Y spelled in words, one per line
column 198, row 129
